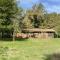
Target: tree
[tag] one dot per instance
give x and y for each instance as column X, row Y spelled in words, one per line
column 36, row 15
column 53, row 22
column 26, row 22
column 8, row 14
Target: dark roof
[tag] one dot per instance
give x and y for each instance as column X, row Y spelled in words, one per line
column 38, row 30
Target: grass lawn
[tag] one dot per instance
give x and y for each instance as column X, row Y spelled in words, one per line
column 30, row 49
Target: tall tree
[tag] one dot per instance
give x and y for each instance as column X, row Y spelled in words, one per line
column 37, row 15
column 8, row 13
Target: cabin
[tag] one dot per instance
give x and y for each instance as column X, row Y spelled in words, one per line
column 39, row 33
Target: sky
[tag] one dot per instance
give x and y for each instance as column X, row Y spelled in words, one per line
column 50, row 5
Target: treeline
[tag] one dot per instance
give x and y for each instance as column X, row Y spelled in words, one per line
column 14, row 19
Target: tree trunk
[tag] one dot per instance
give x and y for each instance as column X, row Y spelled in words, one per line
column 14, row 35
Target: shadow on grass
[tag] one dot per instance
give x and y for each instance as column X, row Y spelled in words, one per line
column 55, row 56
column 5, row 39
column 11, row 39
column 21, row 39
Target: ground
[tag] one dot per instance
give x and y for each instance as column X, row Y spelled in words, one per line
column 30, row 49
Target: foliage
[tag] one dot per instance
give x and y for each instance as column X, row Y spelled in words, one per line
column 7, row 10
column 9, row 15
column 35, row 16
column 53, row 22
column 26, row 21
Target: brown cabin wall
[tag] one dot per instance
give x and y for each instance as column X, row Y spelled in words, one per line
column 41, row 35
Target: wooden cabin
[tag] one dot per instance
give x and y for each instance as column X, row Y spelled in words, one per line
column 39, row 33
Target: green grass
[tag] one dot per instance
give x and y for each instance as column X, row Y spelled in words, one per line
column 30, row 49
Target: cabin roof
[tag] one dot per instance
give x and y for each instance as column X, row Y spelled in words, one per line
column 38, row 30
